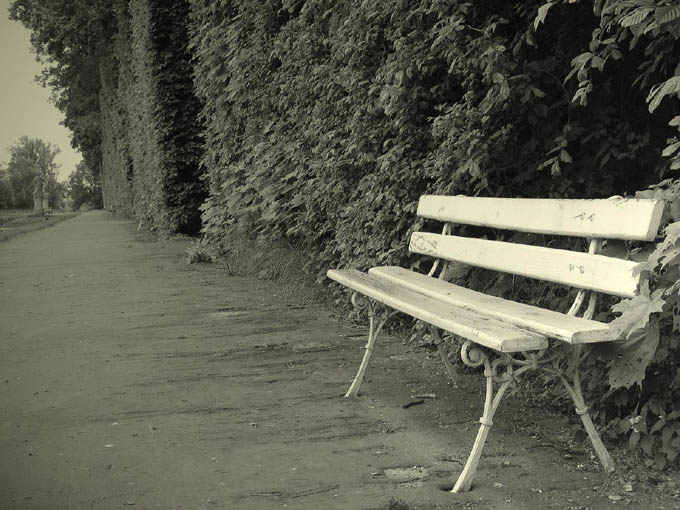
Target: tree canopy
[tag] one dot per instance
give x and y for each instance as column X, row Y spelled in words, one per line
column 32, row 162
column 83, row 188
column 71, row 37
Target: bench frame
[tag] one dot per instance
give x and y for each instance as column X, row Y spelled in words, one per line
column 504, row 369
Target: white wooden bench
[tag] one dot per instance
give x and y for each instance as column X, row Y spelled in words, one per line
column 496, row 329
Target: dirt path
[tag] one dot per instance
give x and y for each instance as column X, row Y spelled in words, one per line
column 129, row 379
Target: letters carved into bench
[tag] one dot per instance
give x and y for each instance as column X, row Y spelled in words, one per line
column 509, row 338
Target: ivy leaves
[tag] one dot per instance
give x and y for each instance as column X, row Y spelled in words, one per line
column 641, row 317
column 643, row 369
column 632, row 359
column 635, row 314
column 669, row 87
column 542, row 13
column 657, row 24
column 641, row 333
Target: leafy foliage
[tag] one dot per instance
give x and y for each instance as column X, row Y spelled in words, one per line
column 71, row 38
column 644, row 371
column 6, row 191
column 325, row 121
column 83, row 188
column 116, row 153
column 635, row 43
column 164, row 133
column 32, row 163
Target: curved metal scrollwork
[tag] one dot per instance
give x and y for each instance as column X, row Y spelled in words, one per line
column 375, row 309
column 382, row 312
column 472, row 355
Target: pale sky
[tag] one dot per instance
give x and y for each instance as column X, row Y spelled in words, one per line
column 24, row 104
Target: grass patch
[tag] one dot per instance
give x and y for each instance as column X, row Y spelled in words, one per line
column 200, row 251
column 14, row 222
column 397, row 504
column 275, row 261
column 9, row 215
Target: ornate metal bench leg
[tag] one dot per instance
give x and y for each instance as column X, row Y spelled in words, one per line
column 574, row 390
column 444, row 353
column 377, row 316
column 474, row 357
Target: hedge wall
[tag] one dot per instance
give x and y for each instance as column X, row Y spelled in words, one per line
column 326, row 120
column 116, row 154
column 153, row 142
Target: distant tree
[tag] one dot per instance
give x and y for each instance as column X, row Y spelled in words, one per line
column 32, row 164
column 84, row 187
column 6, row 192
column 71, row 38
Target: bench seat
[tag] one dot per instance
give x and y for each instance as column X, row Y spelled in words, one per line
column 497, row 334
column 552, row 324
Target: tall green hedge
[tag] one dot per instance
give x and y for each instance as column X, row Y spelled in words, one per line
column 116, row 153
column 326, row 120
column 167, row 139
column 153, row 143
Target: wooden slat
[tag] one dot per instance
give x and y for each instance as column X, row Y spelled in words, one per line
column 545, row 322
column 616, row 218
column 578, row 269
column 481, row 329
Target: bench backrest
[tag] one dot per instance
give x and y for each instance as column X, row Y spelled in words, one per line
column 615, row 218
